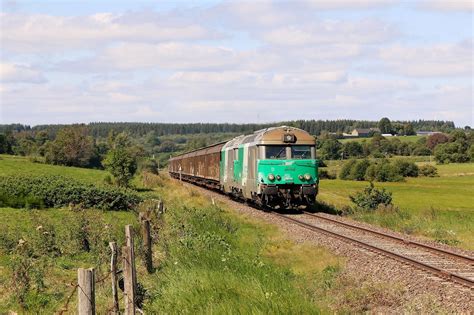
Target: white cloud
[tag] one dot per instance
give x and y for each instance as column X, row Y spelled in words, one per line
column 448, row 5
column 349, row 4
column 430, row 61
column 14, row 73
column 331, row 32
column 38, row 32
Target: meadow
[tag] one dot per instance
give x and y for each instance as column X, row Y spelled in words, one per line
column 441, row 208
column 207, row 259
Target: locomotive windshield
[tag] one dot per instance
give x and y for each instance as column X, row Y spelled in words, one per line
column 282, row 152
column 300, row 152
column 275, row 152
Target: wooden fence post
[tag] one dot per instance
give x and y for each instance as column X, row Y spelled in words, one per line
column 86, row 291
column 113, row 273
column 129, row 280
column 146, row 236
column 129, row 242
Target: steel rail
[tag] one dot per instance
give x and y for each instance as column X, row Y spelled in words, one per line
column 393, row 237
column 438, row 271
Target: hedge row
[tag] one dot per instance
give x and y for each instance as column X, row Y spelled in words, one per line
column 58, row 191
column 383, row 170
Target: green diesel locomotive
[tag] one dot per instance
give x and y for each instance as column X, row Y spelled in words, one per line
column 274, row 167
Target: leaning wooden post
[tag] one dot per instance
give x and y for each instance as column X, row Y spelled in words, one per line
column 113, row 273
column 146, row 236
column 129, row 242
column 86, row 291
column 128, row 280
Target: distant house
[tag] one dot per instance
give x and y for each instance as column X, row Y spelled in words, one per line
column 426, row 133
column 387, row 135
column 362, row 132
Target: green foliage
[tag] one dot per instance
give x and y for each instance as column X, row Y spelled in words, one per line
column 406, row 168
column 330, row 149
column 352, row 149
column 383, row 171
column 72, row 147
column 57, row 191
column 385, row 125
column 452, row 152
column 380, row 170
column 122, row 165
column 41, row 250
column 121, row 160
column 346, row 169
column 370, row 198
column 428, row 170
column 359, row 169
column 148, row 165
column 325, row 174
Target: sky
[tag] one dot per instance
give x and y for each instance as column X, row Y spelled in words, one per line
column 235, row 61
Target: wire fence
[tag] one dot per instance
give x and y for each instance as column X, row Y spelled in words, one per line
column 158, row 209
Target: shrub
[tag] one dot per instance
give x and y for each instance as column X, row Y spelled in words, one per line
column 346, row 169
column 324, row 174
column 421, row 150
column 452, row 152
column 72, row 147
column 436, row 139
column 370, row 198
column 148, row 165
column 122, row 165
column 383, row 171
column 358, row 170
column 406, row 168
column 58, row 191
column 428, row 171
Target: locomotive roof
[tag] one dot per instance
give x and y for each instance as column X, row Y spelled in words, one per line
column 272, row 135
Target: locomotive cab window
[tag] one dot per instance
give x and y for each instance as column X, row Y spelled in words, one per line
column 300, row 152
column 275, row 152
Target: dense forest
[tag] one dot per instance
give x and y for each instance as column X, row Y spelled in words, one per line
column 315, row 127
column 87, row 145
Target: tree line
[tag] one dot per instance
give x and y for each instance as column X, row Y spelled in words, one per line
column 315, row 127
column 457, row 146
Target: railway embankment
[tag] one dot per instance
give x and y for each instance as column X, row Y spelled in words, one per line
column 395, row 285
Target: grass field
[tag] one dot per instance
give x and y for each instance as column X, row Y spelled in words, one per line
column 11, row 165
column 441, row 207
column 401, row 138
column 209, row 260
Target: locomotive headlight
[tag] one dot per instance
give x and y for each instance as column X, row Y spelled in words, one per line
column 271, row 177
column 307, row 176
column 278, row 177
column 301, row 177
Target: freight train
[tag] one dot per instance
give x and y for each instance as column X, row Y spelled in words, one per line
column 274, row 167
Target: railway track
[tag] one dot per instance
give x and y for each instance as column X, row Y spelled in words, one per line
column 444, row 264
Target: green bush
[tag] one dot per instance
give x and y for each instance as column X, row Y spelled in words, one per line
column 452, row 152
column 406, row 168
column 58, row 191
column 383, row 171
column 346, row 169
column 428, row 171
column 324, row 174
column 370, row 198
column 148, row 165
column 359, row 169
